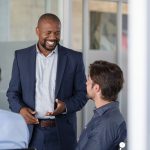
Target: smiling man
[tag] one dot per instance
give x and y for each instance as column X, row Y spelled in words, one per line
column 47, row 87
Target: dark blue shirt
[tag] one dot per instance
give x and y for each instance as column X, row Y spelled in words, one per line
column 105, row 131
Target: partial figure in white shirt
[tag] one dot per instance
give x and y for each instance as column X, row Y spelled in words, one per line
column 14, row 132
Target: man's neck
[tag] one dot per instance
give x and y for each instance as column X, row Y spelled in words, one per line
column 100, row 102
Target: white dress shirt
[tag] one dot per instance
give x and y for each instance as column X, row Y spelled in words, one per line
column 14, row 132
column 46, row 68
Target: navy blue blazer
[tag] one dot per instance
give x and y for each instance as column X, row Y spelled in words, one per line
column 70, row 87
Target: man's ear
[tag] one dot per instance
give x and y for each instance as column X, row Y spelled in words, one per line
column 97, row 88
column 37, row 31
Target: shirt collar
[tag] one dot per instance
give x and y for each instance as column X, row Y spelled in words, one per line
column 54, row 51
column 101, row 110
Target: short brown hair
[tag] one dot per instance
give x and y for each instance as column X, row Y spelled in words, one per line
column 109, row 77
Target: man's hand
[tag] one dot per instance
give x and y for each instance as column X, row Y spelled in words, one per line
column 28, row 115
column 60, row 108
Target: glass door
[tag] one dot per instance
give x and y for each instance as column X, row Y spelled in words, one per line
column 104, row 37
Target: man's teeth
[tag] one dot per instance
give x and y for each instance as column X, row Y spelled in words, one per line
column 50, row 43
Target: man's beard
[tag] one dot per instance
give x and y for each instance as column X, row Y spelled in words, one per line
column 88, row 96
column 50, row 48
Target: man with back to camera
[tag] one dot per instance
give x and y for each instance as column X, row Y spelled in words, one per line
column 14, row 133
column 44, row 76
column 107, row 127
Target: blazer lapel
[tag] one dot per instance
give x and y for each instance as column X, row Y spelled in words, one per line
column 32, row 68
column 62, row 59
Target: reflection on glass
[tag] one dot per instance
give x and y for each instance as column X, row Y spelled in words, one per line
column 103, row 25
column 77, row 24
column 103, row 31
column 124, row 32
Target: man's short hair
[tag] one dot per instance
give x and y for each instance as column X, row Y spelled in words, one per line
column 47, row 17
column 109, row 77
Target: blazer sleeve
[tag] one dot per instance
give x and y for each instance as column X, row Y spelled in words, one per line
column 79, row 99
column 14, row 92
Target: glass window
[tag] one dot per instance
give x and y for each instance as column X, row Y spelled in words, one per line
column 77, row 24
column 103, row 25
column 19, row 18
column 125, row 27
column 23, row 19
